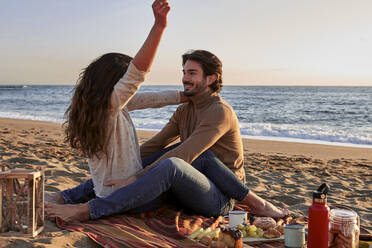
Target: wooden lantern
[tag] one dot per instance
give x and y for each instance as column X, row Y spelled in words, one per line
column 22, row 201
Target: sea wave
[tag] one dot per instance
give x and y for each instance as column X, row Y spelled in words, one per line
column 308, row 132
column 287, row 132
column 47, row 118
column 281, row 132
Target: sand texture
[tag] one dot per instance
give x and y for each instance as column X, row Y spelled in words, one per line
column 281, row 172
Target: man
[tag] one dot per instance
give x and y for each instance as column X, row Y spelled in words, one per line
column 206, row 122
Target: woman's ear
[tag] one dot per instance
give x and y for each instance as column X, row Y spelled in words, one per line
column 211, row 79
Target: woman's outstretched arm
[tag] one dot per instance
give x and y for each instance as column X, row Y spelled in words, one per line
column 146, row 54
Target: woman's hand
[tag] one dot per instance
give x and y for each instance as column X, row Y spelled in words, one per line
column 145, row 56
column 119, row 183
column 161, row 9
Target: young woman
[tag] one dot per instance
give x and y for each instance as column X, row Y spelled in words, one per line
column 98, row 123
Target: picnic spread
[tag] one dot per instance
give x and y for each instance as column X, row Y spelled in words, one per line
column 172, row 227
column 164, row 227
column 167, row 227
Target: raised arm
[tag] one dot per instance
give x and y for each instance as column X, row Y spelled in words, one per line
column 145, row 56
column 125, row 89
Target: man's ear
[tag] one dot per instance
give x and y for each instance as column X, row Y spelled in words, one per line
column 211, row 79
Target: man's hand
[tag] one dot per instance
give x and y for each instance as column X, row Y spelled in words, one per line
column 119, row 183
column 161, row 9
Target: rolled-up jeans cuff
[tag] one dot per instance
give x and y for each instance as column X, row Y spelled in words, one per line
column 92, row 212
column 66, row 198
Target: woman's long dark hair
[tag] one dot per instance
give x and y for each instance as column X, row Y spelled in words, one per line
column 87, row 115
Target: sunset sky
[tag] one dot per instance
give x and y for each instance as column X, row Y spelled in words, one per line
column 260, row 42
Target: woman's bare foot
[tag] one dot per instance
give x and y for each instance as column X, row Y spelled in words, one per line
column 262, row 207
column 53, row 197
column 68, row 212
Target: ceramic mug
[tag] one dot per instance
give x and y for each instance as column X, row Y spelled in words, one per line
column 294, row 235
column 236, row 217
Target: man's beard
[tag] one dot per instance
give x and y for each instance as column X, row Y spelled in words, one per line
column 187, row 93
column 199, row 87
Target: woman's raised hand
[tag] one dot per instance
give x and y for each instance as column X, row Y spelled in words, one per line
column 161, row 9
column 145, row 56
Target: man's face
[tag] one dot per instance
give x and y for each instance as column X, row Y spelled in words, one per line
column 193, row 79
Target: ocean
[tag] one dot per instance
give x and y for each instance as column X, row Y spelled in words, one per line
column 320, row 115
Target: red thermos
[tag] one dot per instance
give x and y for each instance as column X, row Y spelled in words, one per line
column 318, row 222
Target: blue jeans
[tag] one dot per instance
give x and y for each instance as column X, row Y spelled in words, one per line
column 205, row 187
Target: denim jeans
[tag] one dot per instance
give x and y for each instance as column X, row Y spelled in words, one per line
column 85, row 191
column 205, row 187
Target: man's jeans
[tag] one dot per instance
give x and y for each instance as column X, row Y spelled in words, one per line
column 205, row 187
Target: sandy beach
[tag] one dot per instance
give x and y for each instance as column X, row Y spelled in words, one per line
column 282, row 172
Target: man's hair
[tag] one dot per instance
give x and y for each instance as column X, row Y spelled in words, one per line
column 210, row 64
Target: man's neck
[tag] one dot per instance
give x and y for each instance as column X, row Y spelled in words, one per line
column 201, row 99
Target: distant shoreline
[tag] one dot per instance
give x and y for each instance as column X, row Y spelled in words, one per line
column 258, row 138
column 288, row 148
column 291, row 140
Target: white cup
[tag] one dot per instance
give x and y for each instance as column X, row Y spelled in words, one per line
column 294, row 235
column 237, row 217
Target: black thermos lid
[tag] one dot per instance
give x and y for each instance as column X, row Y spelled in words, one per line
column 322, row 191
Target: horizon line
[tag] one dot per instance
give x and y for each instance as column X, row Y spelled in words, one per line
column 225, row 84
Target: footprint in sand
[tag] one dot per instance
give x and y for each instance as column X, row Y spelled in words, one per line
column 25, row 161
column 60, row 173
column 82, row 166
column 51, row 188
column 290, row 199
column 3, row 154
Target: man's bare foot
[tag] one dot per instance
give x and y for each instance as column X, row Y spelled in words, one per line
column 261, row 207
column 272, row 211
column 68, row 212
column 53, row 197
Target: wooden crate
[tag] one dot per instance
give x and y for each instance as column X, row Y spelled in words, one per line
column 22, row 202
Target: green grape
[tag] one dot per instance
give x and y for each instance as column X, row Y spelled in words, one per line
column 252, row 234
column 240, row 227
column 252, row 228
column 259, row 232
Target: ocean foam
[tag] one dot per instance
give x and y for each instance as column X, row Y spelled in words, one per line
column 31, row 117
column 311, row 133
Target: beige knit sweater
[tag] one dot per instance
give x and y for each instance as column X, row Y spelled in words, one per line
column 207, row 122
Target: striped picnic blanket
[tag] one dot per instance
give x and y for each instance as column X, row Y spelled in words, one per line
column 165, row 227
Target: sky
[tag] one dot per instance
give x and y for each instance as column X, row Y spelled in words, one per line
column 260, row 42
